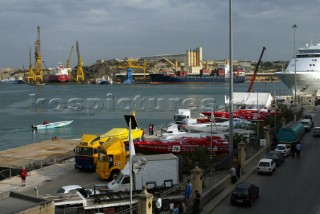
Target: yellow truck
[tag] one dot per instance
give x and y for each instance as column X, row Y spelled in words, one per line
column 114, row 153
column 112, row 157
column 87, row 150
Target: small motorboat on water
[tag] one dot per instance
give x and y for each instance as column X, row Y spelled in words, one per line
column 47, row 125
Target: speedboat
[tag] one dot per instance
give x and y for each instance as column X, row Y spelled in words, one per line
column 302, row 74
column 52, row 125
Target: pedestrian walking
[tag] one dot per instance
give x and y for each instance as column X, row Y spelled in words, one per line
column 233, row 172
column 238, row 168
column 23, row 175
column 298, row 149
column 196, row 203
column 187, row 192
column 171, row 206
column 175, row 209
column 184, row 208
column 293, row 150
column 158, row 204
column 274, row 142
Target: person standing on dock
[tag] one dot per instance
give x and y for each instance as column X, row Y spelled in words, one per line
column 23, row 175
column 150, row 129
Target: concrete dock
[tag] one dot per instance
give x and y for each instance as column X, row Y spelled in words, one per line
column 49, row 151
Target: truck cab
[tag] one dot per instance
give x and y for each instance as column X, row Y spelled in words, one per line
column 182, row 115
column 112, row 157
column 86, row 150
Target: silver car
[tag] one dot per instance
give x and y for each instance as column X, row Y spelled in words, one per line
column 285, row 149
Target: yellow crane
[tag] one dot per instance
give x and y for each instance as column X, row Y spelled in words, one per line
column 205, row 64
column 38, row 67
column 69, row 61
column 175, row 64
column 31, row 74
column 131, row 65
column 80, row 73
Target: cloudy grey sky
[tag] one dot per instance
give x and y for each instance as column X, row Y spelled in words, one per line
column 108, row 29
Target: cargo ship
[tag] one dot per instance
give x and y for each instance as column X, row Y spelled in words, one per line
column 59, row 74
column 205, row 76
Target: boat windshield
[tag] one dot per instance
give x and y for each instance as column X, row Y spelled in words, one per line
column 84, row 151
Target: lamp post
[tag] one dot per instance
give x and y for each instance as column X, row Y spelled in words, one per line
column 211, row 121
column 231, row 85
column 295, row 67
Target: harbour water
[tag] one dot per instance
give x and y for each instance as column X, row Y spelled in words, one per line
column 96, row 109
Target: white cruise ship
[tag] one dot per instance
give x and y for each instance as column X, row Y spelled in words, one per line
column 306, row 70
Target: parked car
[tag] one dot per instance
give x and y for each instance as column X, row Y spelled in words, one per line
column 244, row 193
column 73, row 188
column 285, row 149
column 276, row 156
column 307, row 116
column 307, row 124
column 316, row 131
column 266, row 166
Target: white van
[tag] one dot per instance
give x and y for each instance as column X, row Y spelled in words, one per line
column 266, row 166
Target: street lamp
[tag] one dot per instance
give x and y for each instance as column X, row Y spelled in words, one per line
column 211, row 121
column 295, row 67
column 231, row 85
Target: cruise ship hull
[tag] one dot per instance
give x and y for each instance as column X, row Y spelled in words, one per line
column 170, row 79
column 302, row 74
column 307, row 83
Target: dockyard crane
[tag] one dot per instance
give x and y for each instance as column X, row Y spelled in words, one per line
column 44, row 64
column 31, row 74
column 205, row 64
column 131, row 65
column 38, row 67
column 69, row 61
column 256, row 70
column 175, row 64
column 80, row 73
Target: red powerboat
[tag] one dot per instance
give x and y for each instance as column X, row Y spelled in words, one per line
column 183, row 145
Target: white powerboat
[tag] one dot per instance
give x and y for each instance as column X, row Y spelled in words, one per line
column 303, row 72
column 52, row 125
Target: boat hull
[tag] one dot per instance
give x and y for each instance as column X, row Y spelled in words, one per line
column 52, row 125
column 307, row 82
column 171, row 79
column 181, row 146
column 58, row 78
column 302, row 74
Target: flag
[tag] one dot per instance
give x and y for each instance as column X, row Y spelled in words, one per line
column 131, row 145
